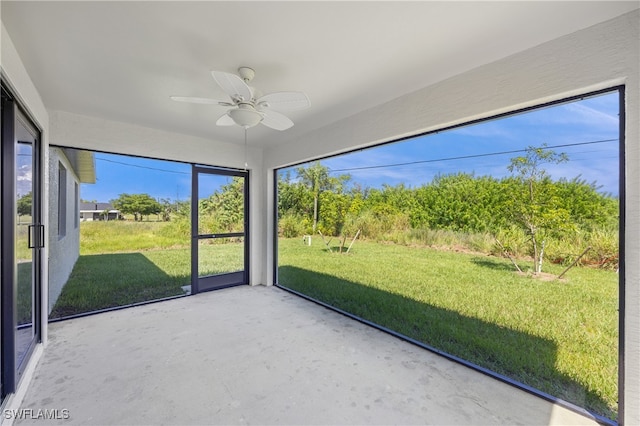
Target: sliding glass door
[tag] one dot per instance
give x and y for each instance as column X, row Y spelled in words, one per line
column 22, row 240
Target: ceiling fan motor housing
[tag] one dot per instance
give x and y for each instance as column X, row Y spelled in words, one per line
column 246, row 73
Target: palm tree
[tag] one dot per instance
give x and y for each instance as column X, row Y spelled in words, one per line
column 316, row 178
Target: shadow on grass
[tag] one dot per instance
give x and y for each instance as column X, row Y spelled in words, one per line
column 110, row 280
column 493, row 264
column 517, row 355
column 24, row 297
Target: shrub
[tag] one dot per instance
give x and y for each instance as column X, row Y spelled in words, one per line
column 291, row 225
column 178, row 228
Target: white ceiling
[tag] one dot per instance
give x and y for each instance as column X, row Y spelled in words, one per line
column 122, row 60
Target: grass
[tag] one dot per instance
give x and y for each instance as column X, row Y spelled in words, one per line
column 23, row 252
column 220, row 258
column 110, row 280
column 101, row 281
column 25, row 293
column 123, row 263
column 100, row 237
column 558, row 336
column 24, row 256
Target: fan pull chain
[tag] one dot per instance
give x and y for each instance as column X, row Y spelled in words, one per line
column 245, row 150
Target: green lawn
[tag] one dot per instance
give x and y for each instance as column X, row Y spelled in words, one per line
column 25, row 293
column 115, row 236
column 101, row 281
column 126, row 262
column 23, row 252
column 558, row 336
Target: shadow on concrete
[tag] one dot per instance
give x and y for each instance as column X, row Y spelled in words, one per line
column 105, row 281
column 517, row 355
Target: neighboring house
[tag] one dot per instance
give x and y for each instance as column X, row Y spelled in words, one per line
column 98, row 211
column 68, row 168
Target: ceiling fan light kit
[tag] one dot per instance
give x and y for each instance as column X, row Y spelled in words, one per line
column 245, row 116
column 247, row 111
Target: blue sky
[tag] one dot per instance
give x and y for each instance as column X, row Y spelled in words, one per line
column 586, row 130
column 590, row 125
column 117, row 174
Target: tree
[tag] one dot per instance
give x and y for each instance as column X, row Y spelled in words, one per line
column 293, row 196
column 138, row 205
column 24, row 204
column 316, row 178
column 536, row 205
column 223, row 211
column 167, row 208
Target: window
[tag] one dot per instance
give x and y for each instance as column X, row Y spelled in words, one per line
column 76, row 209
column 466, row 240
column 145, row 231
column 62, row 200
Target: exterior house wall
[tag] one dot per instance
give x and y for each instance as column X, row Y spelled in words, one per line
column 96, row 211
column 63, row 249
column 599, row 57
column 90, row 216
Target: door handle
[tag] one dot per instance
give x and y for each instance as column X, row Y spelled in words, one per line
column 41, row 239
column 35, row 240
column 29, row 239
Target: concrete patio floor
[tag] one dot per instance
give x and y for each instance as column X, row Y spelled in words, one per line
column 259, row 355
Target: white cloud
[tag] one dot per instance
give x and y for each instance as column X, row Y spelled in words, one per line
column 585, row 115
column 589, row 120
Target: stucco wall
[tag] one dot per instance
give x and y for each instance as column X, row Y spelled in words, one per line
column 598, row 57
column 63, row 250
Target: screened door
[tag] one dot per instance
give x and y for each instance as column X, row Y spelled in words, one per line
column 219, row 228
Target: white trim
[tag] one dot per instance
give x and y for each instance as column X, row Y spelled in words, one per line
column 14, row 401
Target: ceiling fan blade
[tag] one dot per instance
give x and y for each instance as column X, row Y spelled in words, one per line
column 200, row 100
column 276, row 121
column 284, row 101
column 232, row 85
column 225, row 120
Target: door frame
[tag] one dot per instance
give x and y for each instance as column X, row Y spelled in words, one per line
column 11, row 369
column 215, row 282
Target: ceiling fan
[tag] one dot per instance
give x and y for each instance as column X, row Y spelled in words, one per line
column 248, row 109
